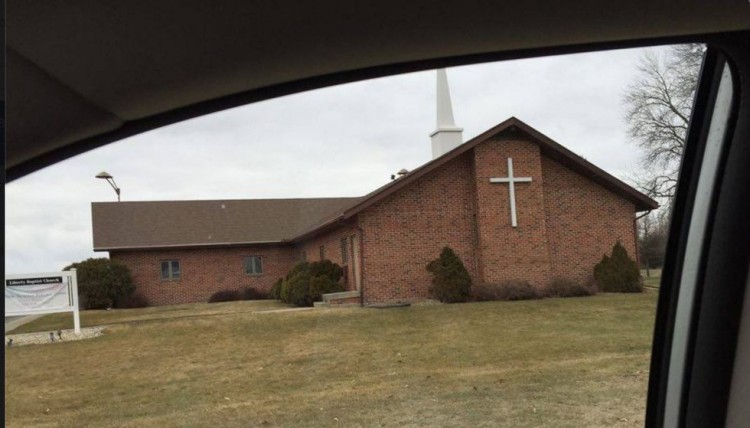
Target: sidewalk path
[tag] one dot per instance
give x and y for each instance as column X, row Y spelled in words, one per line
column 12, row 323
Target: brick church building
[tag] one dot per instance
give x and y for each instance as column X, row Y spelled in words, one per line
column 512, row 203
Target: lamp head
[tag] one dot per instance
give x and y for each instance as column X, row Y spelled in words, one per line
column 105, row 175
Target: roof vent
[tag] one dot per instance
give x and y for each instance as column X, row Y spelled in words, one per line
column 401, row 173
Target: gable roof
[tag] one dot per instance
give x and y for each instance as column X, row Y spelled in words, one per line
column 208, row 223
column 185, row 224
column 548, row 147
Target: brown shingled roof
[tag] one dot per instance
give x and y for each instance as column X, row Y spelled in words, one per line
column 511, row 126
column 182, row 224
column 163, row 224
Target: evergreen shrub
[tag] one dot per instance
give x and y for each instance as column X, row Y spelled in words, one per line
column 451, row 282
column 276, row 289
column 306, row 282
column 102, row 283
column 618, row 273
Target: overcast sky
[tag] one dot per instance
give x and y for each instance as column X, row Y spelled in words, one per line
column 340, row 141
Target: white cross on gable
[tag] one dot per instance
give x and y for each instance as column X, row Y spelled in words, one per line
column 511, row 180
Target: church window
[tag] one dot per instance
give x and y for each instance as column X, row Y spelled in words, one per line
column 170, row 270
column 254, row 265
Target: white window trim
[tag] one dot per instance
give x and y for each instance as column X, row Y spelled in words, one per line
column 262, row 267
column 171, row 274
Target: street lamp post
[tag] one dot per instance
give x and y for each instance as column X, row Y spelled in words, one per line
column 106, row 176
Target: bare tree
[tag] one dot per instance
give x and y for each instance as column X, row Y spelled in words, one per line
column 653, row 230
column 659, row 104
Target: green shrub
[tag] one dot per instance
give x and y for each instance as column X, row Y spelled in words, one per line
column 306, row 282
column 299, row 290
column 451, row 282
column 285, row 290
column 225, row 296
column 601, row 269
column 563, row 287
column 327, row 269
column 618, row 273
column 320, row 285
column 300, row 267
column 276, row 289
column 102, row 283
column 504, row 291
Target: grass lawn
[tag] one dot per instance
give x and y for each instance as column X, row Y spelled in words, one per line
column 555, row 362
column 93, row 318
column 653, row 279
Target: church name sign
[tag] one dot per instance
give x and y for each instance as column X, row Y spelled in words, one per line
column 42, row 294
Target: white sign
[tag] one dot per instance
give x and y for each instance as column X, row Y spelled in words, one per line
column 45, row 293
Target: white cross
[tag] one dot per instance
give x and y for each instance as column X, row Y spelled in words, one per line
column 511, row 180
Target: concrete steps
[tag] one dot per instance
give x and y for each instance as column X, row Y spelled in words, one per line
column 340, row 300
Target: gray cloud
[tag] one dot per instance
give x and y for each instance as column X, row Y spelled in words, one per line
column 339, row 141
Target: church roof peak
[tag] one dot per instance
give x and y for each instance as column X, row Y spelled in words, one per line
column 287, row 221
column 549, row 147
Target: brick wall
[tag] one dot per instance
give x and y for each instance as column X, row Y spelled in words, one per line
column 507, row 252
column 331, row 243
column 204, row 271
column 565, row 223
column 406, row 230
column 584, row 220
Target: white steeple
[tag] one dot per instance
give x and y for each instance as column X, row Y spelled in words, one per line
column 447, row 136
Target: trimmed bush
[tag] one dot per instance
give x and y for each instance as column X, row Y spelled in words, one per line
column 306, row 282
column 299, row 290
column 320, row 285
column 135, row 300
column 225, row 296
column 276, row 289
column 285, row 291
column 327, row 269
column 102, row 283
column 249, row 293
column 563, row 287
column 618, row 273
column 451, row 282
column 506, row 290
column 299, row 268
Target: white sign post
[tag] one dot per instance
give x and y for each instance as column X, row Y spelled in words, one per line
column 45, row 293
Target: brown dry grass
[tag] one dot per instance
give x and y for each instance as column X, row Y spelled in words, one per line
column 553, row 362
column 654, row 278
column 93, row 318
